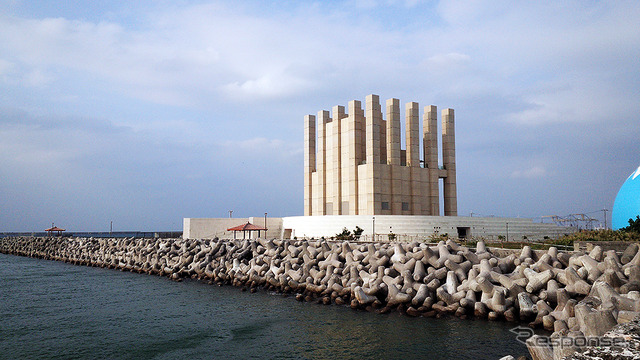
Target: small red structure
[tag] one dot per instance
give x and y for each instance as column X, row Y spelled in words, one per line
column 246, row 227
column 53, row 229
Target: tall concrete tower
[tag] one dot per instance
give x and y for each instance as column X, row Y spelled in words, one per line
column 354, row 163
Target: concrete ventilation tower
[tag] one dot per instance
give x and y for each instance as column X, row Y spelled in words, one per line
column 356, row 174
column 354, row 164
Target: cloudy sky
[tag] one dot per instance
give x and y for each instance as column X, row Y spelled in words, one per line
column 146, row 112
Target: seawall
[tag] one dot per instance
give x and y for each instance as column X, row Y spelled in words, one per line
column 575, row 295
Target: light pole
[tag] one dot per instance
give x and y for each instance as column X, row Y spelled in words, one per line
column 507, row 232
column 374, row 229
column 230, row 212
column 265, row 225
column 605, row 218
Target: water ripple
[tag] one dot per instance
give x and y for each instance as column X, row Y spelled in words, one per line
column 53, row 310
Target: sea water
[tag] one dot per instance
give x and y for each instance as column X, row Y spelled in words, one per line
column 55, row 310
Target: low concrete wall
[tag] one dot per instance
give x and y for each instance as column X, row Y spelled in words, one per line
column 210, row 228
column 406, row 228
column 416, row 228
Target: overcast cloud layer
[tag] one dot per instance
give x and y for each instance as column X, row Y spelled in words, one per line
column 143, row 114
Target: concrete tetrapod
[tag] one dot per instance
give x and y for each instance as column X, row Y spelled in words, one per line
column 572, row 294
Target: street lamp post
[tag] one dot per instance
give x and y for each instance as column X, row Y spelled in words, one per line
column 374, row 229
column 265, row 225
column 507, row 232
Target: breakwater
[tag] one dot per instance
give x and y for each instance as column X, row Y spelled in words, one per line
column 575, row 295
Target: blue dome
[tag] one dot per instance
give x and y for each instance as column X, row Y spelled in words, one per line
column 627, row 204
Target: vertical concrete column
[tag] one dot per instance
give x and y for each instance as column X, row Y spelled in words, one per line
column 337, row 114
column 449, row 162
column 321, row 163
column 412, row 114
column 361, row 147
column 309, row 161
column 430, row 143
column 373, row 120
column 360, row 158
column 350, row 154
column 412, row 118
column 383, row 140
column 393, row 154
column 393, row 131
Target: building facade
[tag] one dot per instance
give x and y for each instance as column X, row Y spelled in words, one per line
column 356, row 174
column 354, row 163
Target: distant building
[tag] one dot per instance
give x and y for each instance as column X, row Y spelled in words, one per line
column 354, row 164
column 356, row 174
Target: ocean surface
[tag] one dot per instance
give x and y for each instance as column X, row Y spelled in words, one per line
column 54, row 310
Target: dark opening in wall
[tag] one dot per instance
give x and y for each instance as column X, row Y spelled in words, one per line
column 463, row 232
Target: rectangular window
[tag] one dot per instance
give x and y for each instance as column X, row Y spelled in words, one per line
column 329, row 208
column 385, row 205
column 405, row 206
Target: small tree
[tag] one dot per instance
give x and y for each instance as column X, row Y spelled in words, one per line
column 357, row 232
column 344, row 235
column 434, row 238
column 634, row 225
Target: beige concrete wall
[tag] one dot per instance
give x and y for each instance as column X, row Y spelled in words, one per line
column 209, row 228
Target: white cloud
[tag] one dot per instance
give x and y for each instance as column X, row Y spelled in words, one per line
column 531, row 173
column 447, row 64
column 371, row 4
column 188, row 78
column 203, row 51
column 5, row 67
column 261, row 147
column 38, row 78
column 268, row 86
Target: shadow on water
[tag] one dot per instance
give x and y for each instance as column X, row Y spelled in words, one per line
column 169, row 348
column 55, row 310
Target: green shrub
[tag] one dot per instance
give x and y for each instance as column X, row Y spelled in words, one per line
column 344, row 235
column 596, row 235
column 357, row 232
column 634, row 225
column 348, row 235
column 434, row 238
